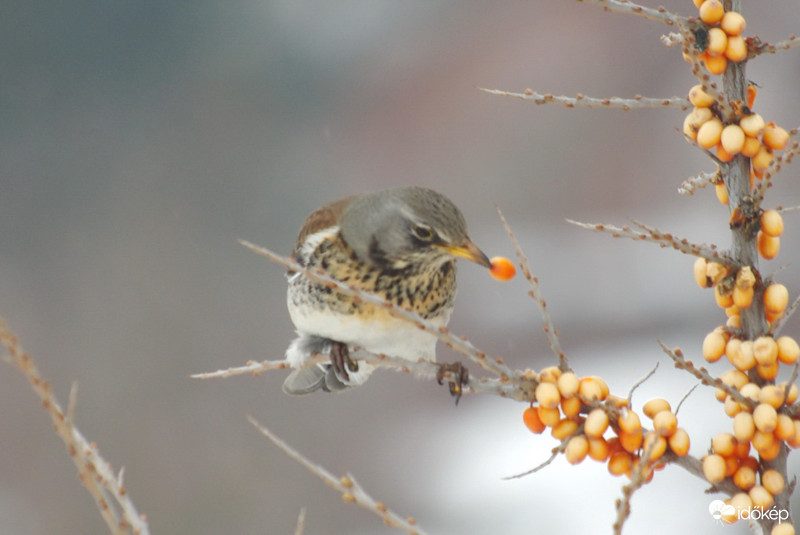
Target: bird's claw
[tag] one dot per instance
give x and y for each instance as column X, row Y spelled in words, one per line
column 341, row 361
column 460, row 380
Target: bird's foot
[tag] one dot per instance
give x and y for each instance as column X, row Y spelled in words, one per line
column 341, row 361
column 459, row 381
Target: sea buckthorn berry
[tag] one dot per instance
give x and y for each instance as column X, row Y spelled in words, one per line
column 717, row 41
column 698, row 3
column 629, row 422
column 773, row 481
column 743, row 426
column 765, row 350
column 656, row 444
column 765, row 418
column 549, row 374
column 788, row 351
column 772, row 395
column 709, row 133
column 714, row 345
column 795, row 441
column 732, row 407
column 716, row 272
column 654, row 406
column 785, row 429
column 564, row 428
column 776, row 297
column 734, row 378
column 502, row 268
column 738, row 502
column 596, row 423
column 742, row 297
column 732, row 139
column 745, row 478
column 700, row 98
column 679, row 442
column 598, row 449
column 714, row 468
column 694, row 120
column 571, row 407
column 576, row 450
column 532, row 421
column 734, row 322
column 731, row 466
column 771, row 223
column 769, row 371
column 593, row 388
column 772, row 451
column 751, row 391
column 723, row 444
column 751, row 95
column 616, row 401
column 700, row 272
column 547, row 395
column 549, row 417
column 631, row 442
column 750, row 148
column 761, row 497
column 733, row 23
column 736, row 48
column 752, row 124
column 724, row 300
column 775, row 137
column 620, row 463
column 762, row 159
column 721, row 192
column 715, row 64
column 665, row 423
column 768, row 246
column 722, row 154
column 732, row 311
column 567, row 384
column 711, row 12
column 791, row 394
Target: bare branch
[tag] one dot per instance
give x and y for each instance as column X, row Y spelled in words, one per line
column 639, row 383
column 684, row 398
column 110, row 496
column 554, row 453
column 765, row 183
column 692, row 184
column 709, row 252
column 536, row 294
column 351, row 491
column 301, row 522
column 776, row 327
column 582, row 101
column 658, row 14
column 767, row 48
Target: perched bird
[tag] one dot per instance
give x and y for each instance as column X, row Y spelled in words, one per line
column 400, row 244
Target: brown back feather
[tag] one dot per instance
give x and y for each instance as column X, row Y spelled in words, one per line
column 320, row 219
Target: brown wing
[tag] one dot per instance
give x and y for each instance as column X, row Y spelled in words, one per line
column 320, row 219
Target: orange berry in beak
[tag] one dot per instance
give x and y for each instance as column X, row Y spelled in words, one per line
column 502, row 268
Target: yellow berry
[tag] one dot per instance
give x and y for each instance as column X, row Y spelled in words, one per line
column 695, row 119
column 717, row 41
column 788, row 350
column 722, row 192
column 772, row 223
column 567, row 384
column 744, row 478
column 530, row 417
column 547, row 395
column 576, row 450
column 775, row 137
column 571, row 407
column 629, row 422
column 776, row 297
column 736, row 48
column 752, row 124
column 761, row 497
column 596, row 423
column 709, row 133
column 765, row 350
column 768, row 246
column 631, row 442
column 656, row 444
column 773, row 481
column 751, row 146
column 700, row 272
column 593, row 388
column 598, row 449
column 665, row 423
column 714, row 345
column 564, row 428
column 679, row 442
column 550, row 374
column 772, row 395
column 654, row 406
column 763, row 158
column 723, row 444
column 711, row 11
column 743, row 426
column 700, row 98
column 620, row 463
column 714, row 468
column 765, row 418
column 549, row 417
column 502, row 268
column 732, row 138
column 782, row 528
column 733, row 23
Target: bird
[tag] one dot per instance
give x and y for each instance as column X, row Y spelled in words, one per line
column 400, row 244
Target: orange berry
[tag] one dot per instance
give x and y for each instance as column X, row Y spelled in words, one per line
column 571, row 407
column 593, row 388
column 598, row 448
column 656, row 443
column 775, row 137
column 532, row 421
column 785, row 429
column 654, row 406
column 752, row 124
column 765, row 418
column 742, row 298
column 750, row 148
column 782, row 528
column 700, row 98
column 629, row 422
column 732, row 138
column 765, row 350
column 550, row 374
column 502, row 268
column 695, row 119
column 700, row 272
column 722, row 193
column 768, row 372
column 768, row 246
column 772, row 223
column 564, row 428
column 576, row 450
column 773, row 481
column 665, row 423
column 788, row 350
column 549, row 417
column 772, row 395
column 733, row 23
column 723, row 444
column 723, row 300
column 745, row 478
column 736, row 48
column 714, row 345
column 717, row 41
column 620, row 463
column 776, row 297
column 596, row 423
column 547, row 395
column 631, row 442
column 711, row 11
column 762, row 160
column 679, row 442
column 714, row 468
column 567, row 384
column 709, row 133
column 751, row 95
column 722, row 154
column 743, row 426
column 761, row 497
column 715, row 64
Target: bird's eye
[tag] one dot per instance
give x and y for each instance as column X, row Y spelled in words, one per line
column 422, row 232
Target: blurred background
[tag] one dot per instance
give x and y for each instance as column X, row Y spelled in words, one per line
column 139, row 140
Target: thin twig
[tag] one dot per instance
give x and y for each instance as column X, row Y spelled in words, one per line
column 554, row 453
column 582, row 101
column 685, row 397
column 110, row 495
column 778, row 162
column 536, row 294
column 776, row 327
column 709, row 252
column 658, row 14
column 301, row 522
column 692, row 184
column 639, row 383
column 639, row 477
column 767, row 48
column 351, row 491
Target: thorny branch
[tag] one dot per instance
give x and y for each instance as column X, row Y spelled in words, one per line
column 582, row 101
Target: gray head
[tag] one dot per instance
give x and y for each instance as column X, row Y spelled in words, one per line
column 401, row 226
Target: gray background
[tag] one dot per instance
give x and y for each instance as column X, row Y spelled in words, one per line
column 139, row 140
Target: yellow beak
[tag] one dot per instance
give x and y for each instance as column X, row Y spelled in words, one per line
column 469, row 251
